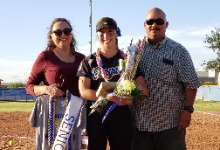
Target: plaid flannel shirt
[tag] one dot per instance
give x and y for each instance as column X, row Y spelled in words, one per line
column 168, row 70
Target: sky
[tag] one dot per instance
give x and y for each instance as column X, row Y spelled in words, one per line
column 24, row 26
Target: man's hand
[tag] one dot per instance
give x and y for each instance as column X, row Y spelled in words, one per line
column 184, row 119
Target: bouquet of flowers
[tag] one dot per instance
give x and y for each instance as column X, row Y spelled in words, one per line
column 126, row 86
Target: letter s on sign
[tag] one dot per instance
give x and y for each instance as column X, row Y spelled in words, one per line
column 67, row 119
column 58, row 147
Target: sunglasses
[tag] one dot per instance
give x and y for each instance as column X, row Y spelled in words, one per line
column 59, row 32
column 158, row 21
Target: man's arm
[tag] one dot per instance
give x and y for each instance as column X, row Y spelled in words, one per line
column 190, row 97
column 142, row 86
column 185, row 116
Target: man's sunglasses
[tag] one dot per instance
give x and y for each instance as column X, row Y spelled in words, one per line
column 66, row 31
column 158, row 21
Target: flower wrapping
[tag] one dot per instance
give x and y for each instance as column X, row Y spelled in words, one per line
column 130, row 52
column 121, row 65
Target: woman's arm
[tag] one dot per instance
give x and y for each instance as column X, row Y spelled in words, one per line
column 52, row 90
column 36, row 76
column 84, row 89
column 40, row 90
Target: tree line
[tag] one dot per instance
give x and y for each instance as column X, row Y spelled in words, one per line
column 213, row 42
column 15, row 85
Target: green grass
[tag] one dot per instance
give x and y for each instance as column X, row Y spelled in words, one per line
column 16, row 106
column 27, row 106
column 206, row 106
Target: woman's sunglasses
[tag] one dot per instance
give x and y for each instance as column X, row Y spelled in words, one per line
column 66, row 31
column 158, row 21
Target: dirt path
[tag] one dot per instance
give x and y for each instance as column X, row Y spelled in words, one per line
column 203, row 133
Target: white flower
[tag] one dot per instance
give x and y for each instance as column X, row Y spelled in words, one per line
column 129, row 85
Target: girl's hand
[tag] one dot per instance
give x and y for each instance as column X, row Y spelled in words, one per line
column 124, row 100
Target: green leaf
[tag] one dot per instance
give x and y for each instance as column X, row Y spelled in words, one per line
column 213, row 42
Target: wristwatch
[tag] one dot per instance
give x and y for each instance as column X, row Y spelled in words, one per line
column 189, row 108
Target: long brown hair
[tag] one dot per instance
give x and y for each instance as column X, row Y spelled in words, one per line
column 50, row 43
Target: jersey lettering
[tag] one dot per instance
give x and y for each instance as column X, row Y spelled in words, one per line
column 110, row 72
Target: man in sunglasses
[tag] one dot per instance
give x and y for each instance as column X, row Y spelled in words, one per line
column 161, row 122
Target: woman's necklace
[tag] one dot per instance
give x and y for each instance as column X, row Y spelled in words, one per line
column 100, row 63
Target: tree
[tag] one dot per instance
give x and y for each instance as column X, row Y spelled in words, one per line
column 19, row 84
column 214, row 43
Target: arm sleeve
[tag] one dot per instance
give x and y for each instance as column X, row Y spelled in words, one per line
column 187, row 73
column 37, row 74
column 84, row 69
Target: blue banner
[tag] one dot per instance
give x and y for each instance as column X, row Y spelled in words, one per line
column 15, row 94
column 209, row 93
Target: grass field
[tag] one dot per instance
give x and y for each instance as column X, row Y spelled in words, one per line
column 27, row 106
column 16, row 106
column 206, row 106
